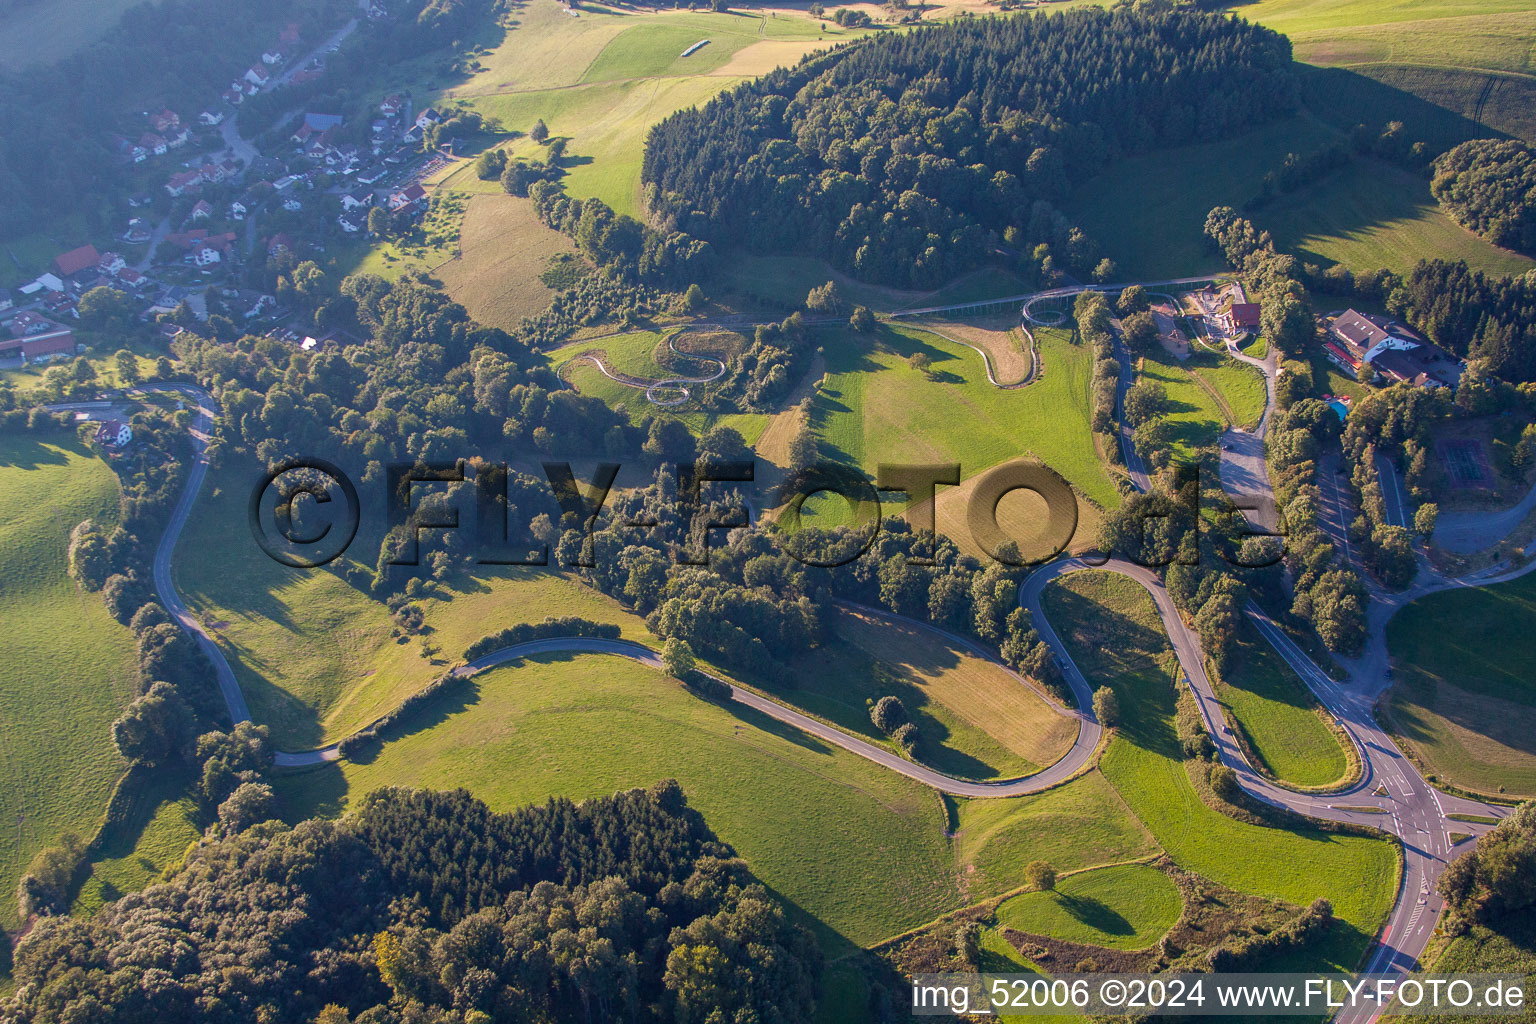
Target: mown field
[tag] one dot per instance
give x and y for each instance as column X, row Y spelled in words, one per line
column 977, row 719
column 34, row 34
column 1279, row 715
column 1466, row 707
column 857, row 847
column 1149, row 211
column 502, row 250
column 1127, row 906
column 66, row 668
column 1112, row 629
column 874, row 407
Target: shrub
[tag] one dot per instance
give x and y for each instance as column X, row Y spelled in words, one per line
column 889, row 714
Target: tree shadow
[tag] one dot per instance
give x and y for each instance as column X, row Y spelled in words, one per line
column 1095, row 914
column 28, row 451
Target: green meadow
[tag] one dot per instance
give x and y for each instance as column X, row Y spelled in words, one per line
column 66, row 668
column 875, row 407
column 1149, row 211
column 1279, row 715
column 1112, row 629
column 858, row 848
column 1127, row 906
column 1464, row 706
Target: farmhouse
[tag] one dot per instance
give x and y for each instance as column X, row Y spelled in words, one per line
column 76, row 260
column 114, row 434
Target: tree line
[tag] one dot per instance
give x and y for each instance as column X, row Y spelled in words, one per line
column 423, row 907
column 907, row 157
column 1489, row 185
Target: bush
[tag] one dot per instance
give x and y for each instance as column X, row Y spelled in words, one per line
column 678, row 658
column 889, row 714
column 907, row 735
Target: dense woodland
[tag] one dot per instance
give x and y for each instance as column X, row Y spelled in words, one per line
column 1490, row 186
column 908, row 157
column 427, row 907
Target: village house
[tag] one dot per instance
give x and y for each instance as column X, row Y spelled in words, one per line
column 279, row 243
column 255, row 78
column 238, row 210
column 211, row 118
column 179, row 183
column 202, row 210
column 114, row 434
column 111, row 264
column 408, row 199
column 139, row 231
column 152, row 143
column 361, row 197
column 165, row 121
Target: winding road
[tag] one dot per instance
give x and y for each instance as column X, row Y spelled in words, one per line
column 1390, row 794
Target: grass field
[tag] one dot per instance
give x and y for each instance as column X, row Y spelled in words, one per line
column 66, row 668
column 1149, row 211
column 168, row 820
column 1116, row 638
column 1279, row 715
column 1464, row 706
column 1194, row 415
column 41, row 33
column 1080, row 825
column 1508, row 947
column 855, row 846
column 977, row 719
column 502, row 250
column 874, row 407
column 1128, row 906
column 1240, row 386
column 313, row 654
column 601, row 80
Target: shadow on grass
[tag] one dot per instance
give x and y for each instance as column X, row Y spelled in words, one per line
column 1095, row 914
column 35, row 451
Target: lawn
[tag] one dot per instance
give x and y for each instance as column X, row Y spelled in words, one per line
column 1279, row 715
column 977, row 719
column 874, row 407
column 1082, row 824
column 855, row 846
column 1112, row 629
column 1194, row 415
column 66, row 668
column 1149, row 211
column 1464, row 706
column 1240, row 385
column 1128, row 906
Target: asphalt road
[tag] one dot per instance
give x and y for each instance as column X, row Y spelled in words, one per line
column 1402, row 801
column 1466, row 532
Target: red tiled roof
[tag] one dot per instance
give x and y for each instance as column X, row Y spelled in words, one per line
column 76, row 260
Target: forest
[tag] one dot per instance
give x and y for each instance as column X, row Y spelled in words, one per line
column 423, row 907
column 908, row 158
column 1489, row 185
